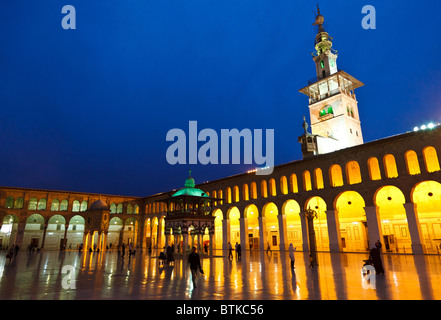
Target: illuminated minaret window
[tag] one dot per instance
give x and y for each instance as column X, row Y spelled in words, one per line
column 333, row 107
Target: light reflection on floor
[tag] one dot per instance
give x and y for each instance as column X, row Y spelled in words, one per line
column 256, row 276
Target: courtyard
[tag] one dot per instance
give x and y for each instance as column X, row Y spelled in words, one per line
column 257, row 275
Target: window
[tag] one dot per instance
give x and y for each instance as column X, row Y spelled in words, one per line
column 76, row 206
column 322, row 64
column 83, row 206
column 353, row 172
column 9, row 203
column 55, row 206
column 413, row 167
column 326, row 110
column 63, row 205
column 307, row 181
column 18, row 203
column 32, row 204
column 431, row 159
column 374, row 169
column 336, row 175
column 390, row 166
column 318, row 178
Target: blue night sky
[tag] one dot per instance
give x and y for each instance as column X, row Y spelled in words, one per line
column 88, row 109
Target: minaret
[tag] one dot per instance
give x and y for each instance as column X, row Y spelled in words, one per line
column 333, row 107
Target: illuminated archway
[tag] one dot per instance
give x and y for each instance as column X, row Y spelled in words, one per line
column 320, row 224
column 389, row 201
column 431, row 159
column 218, row 228
column 234, row 216
column 270, row 212
column 335, row 176
column 352, row 219
column 9, row 230
column 291, row 209
column 75, row 232
column 252, row 214
column 426, row 196
column 33, row 233
column 412, row 164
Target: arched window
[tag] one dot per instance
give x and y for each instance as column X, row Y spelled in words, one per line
column 63, row 205
column 129, row 209
column 119, row 208
column 112, row 208
column 390, row 166
column 18, row 203
column 245, row 192
column 283, row 185
column 325, row 111
column 42, row 204
column 263, row 189
column 318, row 178
column 353, row 173
column 228, row 195
column 253, row 190
column 307, row 181
column 221, row 196
column 236, row 194
column 83, row 206
column 374, row 169
column 76, row 206
column 10, row 202
column 431, row 159
column 293, row 183
column 336, row 176
column 272, row 185
column 412, row 164
column 136, row 209
column 55, row 205
column 32, row 204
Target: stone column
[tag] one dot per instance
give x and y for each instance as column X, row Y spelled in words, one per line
column 66, row 226
column 305, row 240
column 373, row 225
column 211, row 243
column 225, row 234
column 282, row 232
column 262, row 234
column 44, row 236
column 185, row 243
column 244, row 240
column 333, row 231
column 414, row 228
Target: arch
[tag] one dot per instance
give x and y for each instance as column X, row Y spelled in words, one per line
column 245, row 192
column 63, row 205
column 119, row 208
column 83, row 206
column 336, row 176
column 390, row 166
column 9, row 204
column 272, row 187
column 220, row 195
column 129, row 209
column 271, row 228
column 75, row 206
column 352, row 220
column 112, row 208
column 283, row 185
column 136, row 209
column 130, row 230
column 32, row 204
column 431, row 159
column 320, row 224
column 318, row 178
column 263, row 189
column 307, row 181
column 228, row 191
column 293, row 183
column 426, row 196
column 18, row 204
column 234, row 216
column 389, row 201
column 353, row 173
column 218, row 228
column 412, row 164
column 9, row 229
column 55, row 205
column 291, row 209
column 374, row 169
column 252, row 214
column 33, row 232
column 253, row 190
column 42, row 204
column 236, row 197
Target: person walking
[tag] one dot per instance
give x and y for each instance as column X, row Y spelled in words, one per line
column 239, row 251
column 10, row 253
column 195, row 265
column 123, row 250
column 268, row 248
column 375, row 257
column 230, row 251
column 291, row 255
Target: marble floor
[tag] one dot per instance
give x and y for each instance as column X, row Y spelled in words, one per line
column 256, row 276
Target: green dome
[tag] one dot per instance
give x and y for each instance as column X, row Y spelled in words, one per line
column 189, row 189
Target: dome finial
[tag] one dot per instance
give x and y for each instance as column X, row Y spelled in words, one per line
column 189, row 182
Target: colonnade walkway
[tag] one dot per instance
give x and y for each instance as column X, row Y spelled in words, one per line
column 255, row 276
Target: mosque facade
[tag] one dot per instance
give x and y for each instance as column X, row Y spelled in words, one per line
column 387, row 190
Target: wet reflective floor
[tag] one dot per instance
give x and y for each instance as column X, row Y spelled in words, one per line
column 256, row 276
